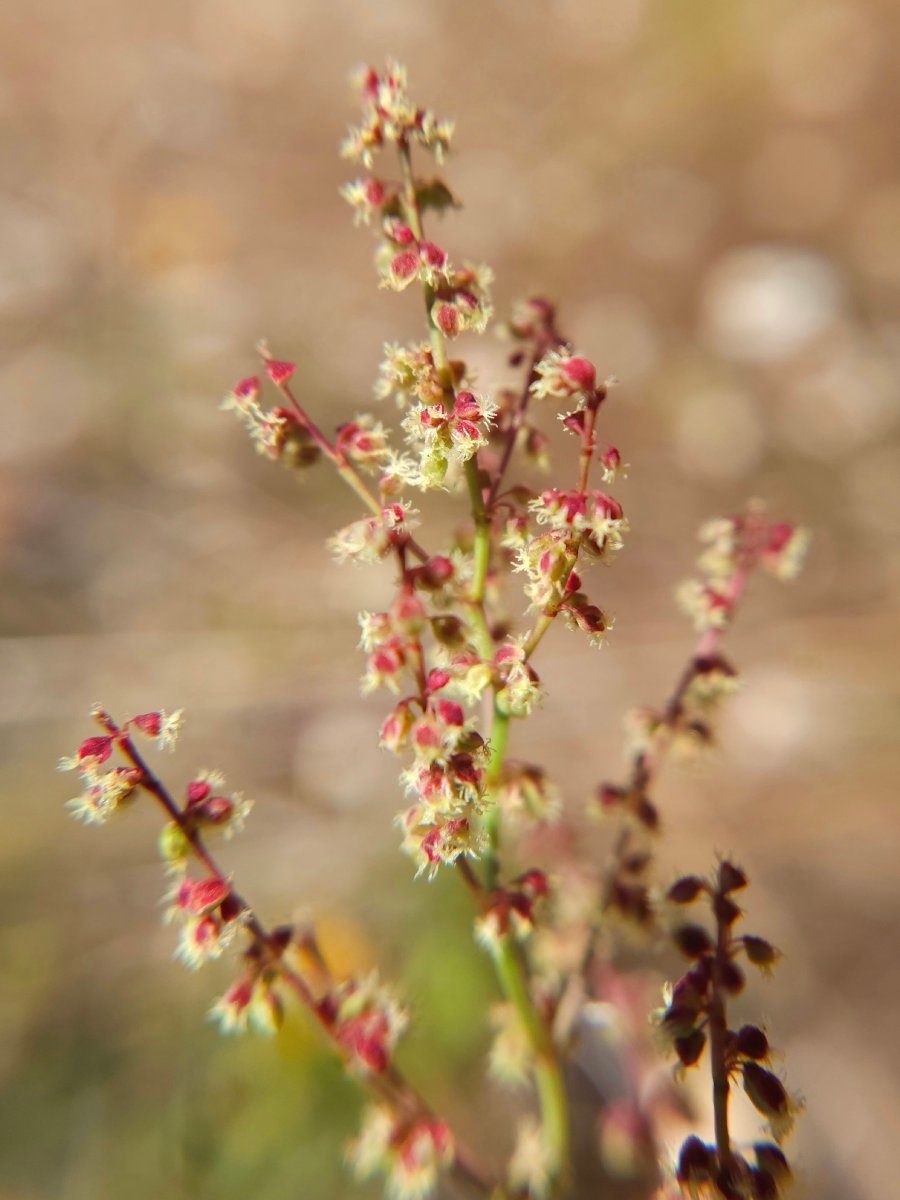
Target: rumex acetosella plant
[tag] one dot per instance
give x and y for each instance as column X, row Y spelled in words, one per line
column 455, row 654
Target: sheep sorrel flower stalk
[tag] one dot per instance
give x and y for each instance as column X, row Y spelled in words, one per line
column 459, row 662
column 696, row 1013
column 361, row 1018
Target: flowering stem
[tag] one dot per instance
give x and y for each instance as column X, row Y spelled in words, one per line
column 511, row 970
column 588, row 443
column 338, row 460
column 480, row 513
column 391, row 1087
column 549, row 615
column 646, row 764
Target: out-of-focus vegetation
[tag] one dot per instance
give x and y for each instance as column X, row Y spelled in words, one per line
column 713, row 193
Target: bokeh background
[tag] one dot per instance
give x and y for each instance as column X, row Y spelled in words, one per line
column 712, row 191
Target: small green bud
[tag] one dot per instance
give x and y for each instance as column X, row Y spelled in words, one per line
column 173, row 843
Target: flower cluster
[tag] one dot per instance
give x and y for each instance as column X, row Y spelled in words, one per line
column 408, row 374
column 367, row 1022
column 734, row 545
column 275, row 432
column 592, row 513
column 370, row 539
column 445, row 779
column 207, row 909
column 391, row 117
column 443, row 435
column 209, row 917
column 511, row 910
column 562, row 376
column 409, row 1155
column 108, row 790
column 252, row 1002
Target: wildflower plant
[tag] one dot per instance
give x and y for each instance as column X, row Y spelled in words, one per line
column 455, row 654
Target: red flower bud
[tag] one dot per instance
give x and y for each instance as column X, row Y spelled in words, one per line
column 375, row 192
column 405, row 265
column 451, row 713
column 97, row 749
column 581, row 373
column 447, row 319
column 535, row 882
column 574, row 422
column 201, row 896
column 433, row 255
column 197, row 791
column 280, row 372
column 217, row 810
column 435, row 572
column 148, row 723
column 247, row 388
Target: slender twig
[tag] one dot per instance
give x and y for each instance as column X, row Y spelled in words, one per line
column 518, row 420
column 647, row 762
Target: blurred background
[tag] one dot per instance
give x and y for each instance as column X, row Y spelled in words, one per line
column 712, row 193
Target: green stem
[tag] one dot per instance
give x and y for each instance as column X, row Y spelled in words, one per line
column 498, row 743
column 548, row 1075
column 481, row 550
column 512, row 975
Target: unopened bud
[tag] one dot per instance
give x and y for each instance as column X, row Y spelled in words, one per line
column 730, row 878
column 770, row 1158
column 760, row 952
column 731, row 978
column 280, row 372
column 686, row 889
column 696, row 1162
column 690, row 1048
column 765, row 1090
column 173, row 843
column 751, row 1042
column 692, row 940
column 581, row 373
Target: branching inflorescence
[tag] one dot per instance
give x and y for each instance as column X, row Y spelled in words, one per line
column 459, row 662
